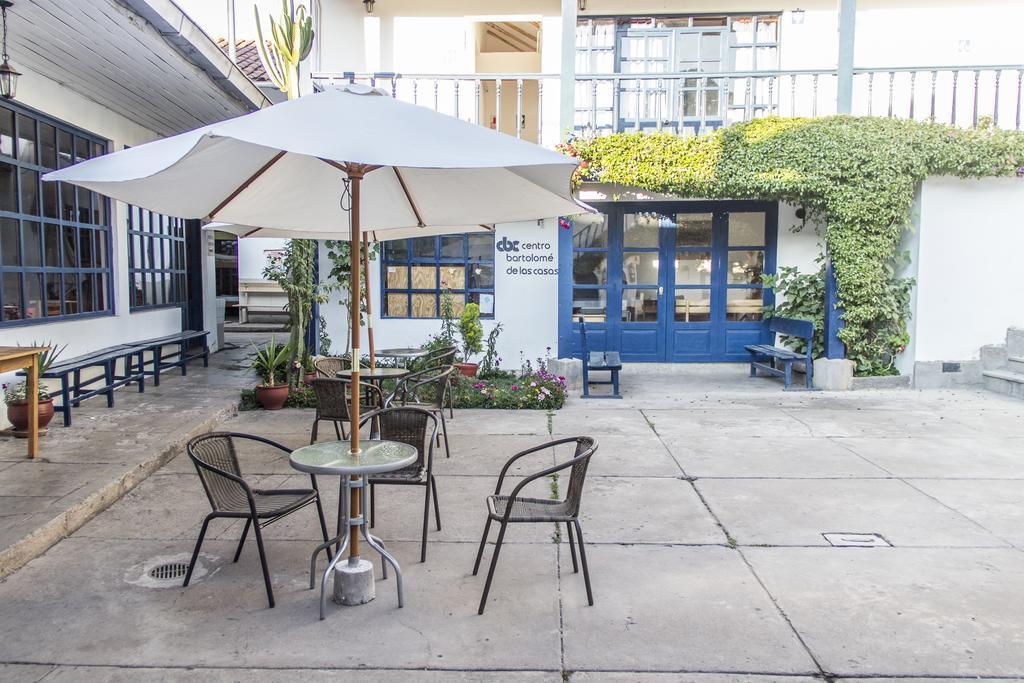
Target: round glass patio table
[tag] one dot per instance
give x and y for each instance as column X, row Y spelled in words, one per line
column 374, row 374
column 405, row 355
column 332, row 458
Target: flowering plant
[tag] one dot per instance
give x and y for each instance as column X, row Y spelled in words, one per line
column 535, row 388
column 18, row 393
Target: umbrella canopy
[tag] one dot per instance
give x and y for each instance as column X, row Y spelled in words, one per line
column 281, row 168
column 368, row 234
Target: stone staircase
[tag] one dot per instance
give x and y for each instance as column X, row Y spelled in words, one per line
column 1003, row 364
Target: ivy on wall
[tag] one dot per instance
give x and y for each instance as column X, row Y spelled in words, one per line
column 858, row 175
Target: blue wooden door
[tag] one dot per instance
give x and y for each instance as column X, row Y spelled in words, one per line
column 668, row 281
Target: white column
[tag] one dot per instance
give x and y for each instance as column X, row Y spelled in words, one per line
column 844, row 85
column 568, row 67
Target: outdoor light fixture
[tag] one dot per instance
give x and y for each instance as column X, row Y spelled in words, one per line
column 797, row 16
column 8, row 75
column 582, row 4
column 369, row 5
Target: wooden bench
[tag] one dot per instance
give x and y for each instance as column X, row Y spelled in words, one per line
column 132, row 356
column 264, row 297
column 598, row 360
column 768, row 358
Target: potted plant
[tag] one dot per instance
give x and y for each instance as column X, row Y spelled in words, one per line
column 308, row 369
column 15, row 396
column 271, row 365
column 472, row 334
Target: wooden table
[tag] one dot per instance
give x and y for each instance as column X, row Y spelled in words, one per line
column 27, row 357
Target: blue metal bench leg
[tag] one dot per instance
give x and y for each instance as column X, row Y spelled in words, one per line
column 753, row 369
column 65, row 397
column 615, row 382
column 789, row 373
column 183, row 351
column 158, row 357
column 108, row 377
column 586, row 380
column 206, row 354
column 142, row 372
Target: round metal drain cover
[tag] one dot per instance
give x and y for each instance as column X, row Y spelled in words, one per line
column 170, row 570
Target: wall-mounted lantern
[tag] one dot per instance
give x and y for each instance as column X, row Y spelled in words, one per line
column 8, row 74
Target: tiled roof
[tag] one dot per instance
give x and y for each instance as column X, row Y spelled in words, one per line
column 247, row 57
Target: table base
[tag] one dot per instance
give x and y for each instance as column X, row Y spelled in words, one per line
column 340, row 543
column 353, row 582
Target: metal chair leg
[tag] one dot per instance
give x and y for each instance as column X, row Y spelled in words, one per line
column 483, row 542
column 241, row 541
column 437, row 507
column 426, row 522
column 195, row 553
column 583, row 561
column 572, row 547
column 339, row 431
column 494, row 564
column 313, row 432
column 263, row 563
column 373, row 506
column 444, row 430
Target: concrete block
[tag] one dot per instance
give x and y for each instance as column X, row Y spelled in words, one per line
column 948, row 374
column 833, row 374
column 571, row 369
column 1015, row 341
column 353, row 582
column 993, row 356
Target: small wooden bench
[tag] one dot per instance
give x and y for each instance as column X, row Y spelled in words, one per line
column 768, row 358
column 609, row 361
column 263, row 297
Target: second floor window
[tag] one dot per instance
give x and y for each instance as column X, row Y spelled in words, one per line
column 416, row 272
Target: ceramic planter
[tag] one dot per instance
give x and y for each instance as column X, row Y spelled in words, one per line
column 308, row 378
column 468, row 369
column 272, row 398
column 17, row 413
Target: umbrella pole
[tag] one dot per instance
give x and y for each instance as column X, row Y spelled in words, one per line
column 355, row 174
column 369, row 308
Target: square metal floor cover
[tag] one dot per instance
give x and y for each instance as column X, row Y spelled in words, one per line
column 855, row 540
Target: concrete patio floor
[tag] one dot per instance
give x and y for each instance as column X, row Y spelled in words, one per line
column 704, row 512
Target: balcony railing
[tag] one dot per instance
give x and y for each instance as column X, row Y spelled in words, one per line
column 526, row 105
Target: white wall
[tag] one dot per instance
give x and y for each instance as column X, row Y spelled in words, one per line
column 252, row 255
column 525, row 303
column 969, row 286
column 82, row 336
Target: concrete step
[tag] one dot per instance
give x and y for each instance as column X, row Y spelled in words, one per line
column 1004, row 382
column 1015, row 341
column 993, row 357
column 1013, row 364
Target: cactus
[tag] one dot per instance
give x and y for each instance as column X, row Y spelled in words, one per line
column 291, row 41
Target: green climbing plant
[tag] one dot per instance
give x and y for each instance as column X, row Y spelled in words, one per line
column 857, row 175
column 294, row 274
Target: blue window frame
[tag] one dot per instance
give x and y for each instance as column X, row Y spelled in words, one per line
column 156, row 260
column 416, row 272
column 55, row 248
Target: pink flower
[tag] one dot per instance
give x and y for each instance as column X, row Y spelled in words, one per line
column 514, row 387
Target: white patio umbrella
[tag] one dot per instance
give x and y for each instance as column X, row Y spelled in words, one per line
column 287, row 168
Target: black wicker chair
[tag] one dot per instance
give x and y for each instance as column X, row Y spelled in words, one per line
column 513, row 509
column 408, row 393
column 332, row 403
column 216, row 461
column 416, row 427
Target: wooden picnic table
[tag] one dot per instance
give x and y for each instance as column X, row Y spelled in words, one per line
column 27, row 358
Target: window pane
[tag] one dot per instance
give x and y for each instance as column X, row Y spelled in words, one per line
column 458, row 304
column 640, row 305
column 8, row 188
column 12, row 296
column 138, row 292
column 590, row 303
column 589, row 268
column 693, row 268
column 693, row 230
column 51, row 204
column 30, row 233
column 51, row 245
column 53, row 294
column 102, row 299
column 746, row 228
column 693, row 305
column 424, row 306
column 67, row 199
column 84, row 209
column 30, row 192
column 85, row 248
column 767, row 29
column 64, row 151
column 481, row 246
column 452, row 246
column 47, row 145
column 481, row 276
column 745, row 267
column 99, row 209
column 86, row 292
column 101, row 248
column 590, row 231
column 640, row 268
column 10, row 242
column 397, row 277
column 26, row 139
column 396, row 250
column 34, row 294
column 744, row 305
column 81, row 149
column 641, row 229
column 70, row 248
column 424, row 277
column 6, row 132
column 71, row 294
column 742, row 30
column 452, row 277
column 397, row 306
column 424, row 248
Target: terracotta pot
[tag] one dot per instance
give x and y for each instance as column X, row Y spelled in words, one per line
column 272, row 398
column 468, row 369
column 308, row 378
column 17, row 413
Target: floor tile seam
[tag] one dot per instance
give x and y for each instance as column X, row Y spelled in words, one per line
column 734, row 546
column 854, row 451
column 215, row 667
column 976, row 523
column 654, row 430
